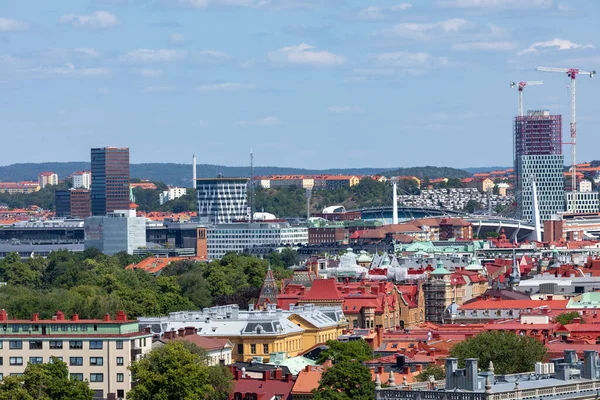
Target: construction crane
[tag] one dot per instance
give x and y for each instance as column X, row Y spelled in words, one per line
column 571, row 73
column 520, row 86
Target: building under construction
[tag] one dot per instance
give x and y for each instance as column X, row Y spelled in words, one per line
column 538, row 155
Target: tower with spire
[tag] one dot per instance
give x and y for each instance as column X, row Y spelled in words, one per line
column 268, row 292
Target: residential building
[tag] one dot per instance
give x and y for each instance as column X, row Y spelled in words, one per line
column 110, row 180
column 82, row 179
column 118, row 231
column 585, row 202
column 241, row 237
column 218, row 351
column 74, row 203
column 47, row 178
column 538, row 156
column 171, row 194
column 98, row 351
column 222, row 200
column 585, row 185
column 144, row 185
column 258, row 333
column 19, row 187
column 482, row 184
column 278, row 181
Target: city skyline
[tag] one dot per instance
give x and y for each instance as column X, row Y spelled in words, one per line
column 337, row 83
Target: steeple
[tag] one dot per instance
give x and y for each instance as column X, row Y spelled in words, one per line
column 268, row 291
column 515, row 274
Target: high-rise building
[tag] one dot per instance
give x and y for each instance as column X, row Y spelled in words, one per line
column 81, row 179
column 110, row 180
column 74, row 203
column 62, row 202
column 222, row 200
column 47, row 178
column 538, row 155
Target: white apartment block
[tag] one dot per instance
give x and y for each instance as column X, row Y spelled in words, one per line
column 171, row 194
column 585, row 202
column 47, row 178
column 98, row 351
column 82, row 179
column 585, row 185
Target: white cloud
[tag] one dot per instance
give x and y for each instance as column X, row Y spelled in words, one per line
column 484, row 46
column 149, row 73
column 86, row 52
column 304, row 54
column 69, row 69
column 561, row 44
column 377, row 13
column 427, row 31
column 96, row 20
column 158, row 89
column 497, row 4
column 176, row 38
column 346, row 110
column 149, row 55
column 401, row 7
column 267, row 121
column 12, row 25
column 227, row 86
column 404, row 59
column 213, row 53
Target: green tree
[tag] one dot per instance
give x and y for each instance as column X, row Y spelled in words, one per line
column 436, row 371
column 472, row 206
column 46, row 382
column 176, row 371
column 289, row 257
column 568, row 317
column 347, row 380
column 509, row 352
column 358, row 350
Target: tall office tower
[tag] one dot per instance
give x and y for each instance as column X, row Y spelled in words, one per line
column 538, row 155
column 110, row 180
column 222, row 200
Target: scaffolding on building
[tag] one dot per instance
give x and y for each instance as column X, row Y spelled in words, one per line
column 435, row 300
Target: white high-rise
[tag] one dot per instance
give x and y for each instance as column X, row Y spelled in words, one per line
column 222, row 200
column 81, row 179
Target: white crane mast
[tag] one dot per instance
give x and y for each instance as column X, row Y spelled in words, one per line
column 520, row 86
column 571, row 73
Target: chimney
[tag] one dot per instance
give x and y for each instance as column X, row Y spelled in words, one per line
column 418, row 367
column 278, row 374
column 106, row 317
column 451, row 367
column 471, row 374
column 3, row 315
column 75, row 317
column 194, row 171
column 181, row 332
column 148, row 329
column 35, row 317
column 59, row 316
column 400, row 360
column 576, row 321
column 121, row 316
column 188, row 330
column 570, row 357
column 590, row 365
column 288, row 378
column 265, row 375
column 380, row 370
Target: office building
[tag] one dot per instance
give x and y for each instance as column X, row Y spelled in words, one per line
column 118, row 231
column 82, row 179
column 171, row 194
column 222, row 200
column 110, row 180
column 585, row 202
column 98, row 351
column 241, row 237
column 538, row 156
column 47, row 178
column 74, row 203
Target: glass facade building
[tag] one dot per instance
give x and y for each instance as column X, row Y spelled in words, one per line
column 222, row 200
column 110, row 180
column 549, row 178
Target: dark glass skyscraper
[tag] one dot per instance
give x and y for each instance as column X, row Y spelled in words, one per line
column 110, row 180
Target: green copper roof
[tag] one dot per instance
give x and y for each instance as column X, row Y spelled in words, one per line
column 440, row 270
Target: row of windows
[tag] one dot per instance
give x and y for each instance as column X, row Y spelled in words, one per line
column 94, row 361
column 53, row 327
column 58, row 344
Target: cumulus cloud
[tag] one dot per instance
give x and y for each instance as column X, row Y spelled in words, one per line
column 149, row 73
column 158, row 89
column 427, row 31
column 150, row 55
column 266, row 121
column 378, row 13
column 404, row 59
column 69, row 69
column 346, row 110
column 497, row 4
column 485, row 46
column 560, row 44
column 12, row 25
column 96, row 20
column 227, row 86
column 304, row 54
column 86, row 51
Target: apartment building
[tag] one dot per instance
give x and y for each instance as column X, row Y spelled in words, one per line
column 19, row 187
column 81, row 179
column 171, row 194
column 98, row 351
column 47, row 178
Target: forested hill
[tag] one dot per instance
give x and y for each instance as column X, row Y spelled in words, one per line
column 181, row 174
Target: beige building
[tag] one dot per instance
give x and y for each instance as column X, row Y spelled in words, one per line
column 98, row 351
column 47, row 178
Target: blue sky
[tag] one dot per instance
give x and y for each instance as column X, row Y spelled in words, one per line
column 304, row 83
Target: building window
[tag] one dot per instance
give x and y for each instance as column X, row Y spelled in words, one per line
column 35, row 345
column 266, row 348
column 16, row 361
column 15, row 345
column 75, row 344
column 119, row 361
column 119, row 344
column 76, row 377
column 74, row 328
column 51, row 359
column 56, row 344
column 75, row 360
column 96, row 361
column 1, row 360
column 64, row 328
column 253, row 349
column 240, row 348
column 54, row 328
column 36, row 360
column 83, row 328
column 120, row 377
column 96, row 377
column 120, row 394
column 95, row 345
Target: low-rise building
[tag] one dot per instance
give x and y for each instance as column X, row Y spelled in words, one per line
column 171, row 194
column 19, row 187
column 98, row 351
